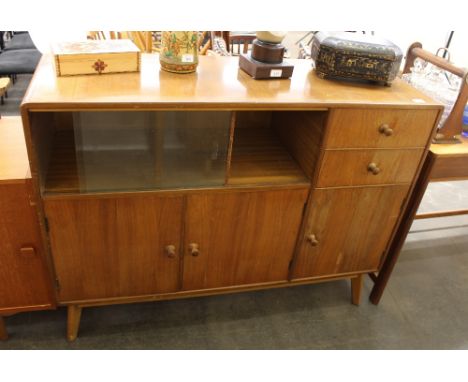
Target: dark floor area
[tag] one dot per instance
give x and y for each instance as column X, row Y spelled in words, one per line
column 424, row 307
column 15, row 95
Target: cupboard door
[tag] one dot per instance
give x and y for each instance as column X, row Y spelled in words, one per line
column 24, row 280
column 115, row 247
column 347, row 230
column 235, row 238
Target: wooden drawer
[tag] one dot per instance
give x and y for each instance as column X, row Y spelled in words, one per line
column 366, row 167
column 379, row 128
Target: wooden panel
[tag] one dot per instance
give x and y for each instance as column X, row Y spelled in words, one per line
column 351, row 228
column 242, row 237
column 14, row 163
column 259, row 157
column 115, row 246
column 253, row 119
column 448, row 168
column 24, row 281
column 62, row 174
column 39, row 130
column 351, row 167
column 301, row 133
column 449, row 149
column 358, row 128
column 218, row 83
column 451, row 161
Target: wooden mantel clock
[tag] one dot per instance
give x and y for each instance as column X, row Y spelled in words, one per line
column 156, row 186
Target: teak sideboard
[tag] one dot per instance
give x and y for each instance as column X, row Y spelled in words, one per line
column 156, row 186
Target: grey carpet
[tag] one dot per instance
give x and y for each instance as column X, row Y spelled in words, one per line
column 16, row 93
column 425, row 305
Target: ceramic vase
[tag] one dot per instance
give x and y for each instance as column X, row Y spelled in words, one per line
column 179, row 51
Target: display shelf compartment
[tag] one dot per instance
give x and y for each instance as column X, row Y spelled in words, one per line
column 130, row 151
column 275, row 147
column 258, row 157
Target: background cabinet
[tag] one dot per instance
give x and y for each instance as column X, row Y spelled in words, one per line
column 24, row 278
column 24, row 282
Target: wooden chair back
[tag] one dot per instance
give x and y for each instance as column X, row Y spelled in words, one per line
column 238, row 41
column 142, row 39
column 453, row 125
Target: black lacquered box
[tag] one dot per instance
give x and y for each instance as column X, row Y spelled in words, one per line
column 355, row 56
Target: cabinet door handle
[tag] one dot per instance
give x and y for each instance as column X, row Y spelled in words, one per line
column 193, row 249
column 27, row 251
column 170, row 251
column 373, row 168
column 312, row 240
column 385, row 129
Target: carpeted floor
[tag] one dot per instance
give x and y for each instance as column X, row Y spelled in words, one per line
column 425, row 305
column 15, row 95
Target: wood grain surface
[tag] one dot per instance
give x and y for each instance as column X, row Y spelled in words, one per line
column 24, row 281
column 351, row 167
column 243, row 238
column 302, row 132
column 351, row 227
column 14, row 163
column 116, row 246
column 259, row 157
column 218, row 83
column 359, row 128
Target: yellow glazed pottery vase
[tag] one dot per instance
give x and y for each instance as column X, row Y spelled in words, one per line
column 179, row 51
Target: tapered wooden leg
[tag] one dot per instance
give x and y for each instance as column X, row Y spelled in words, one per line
column 73, row 324
column 356, row 288
column 3, row 332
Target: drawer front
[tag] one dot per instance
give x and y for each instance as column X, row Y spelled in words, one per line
column 379, row 128
column 368, row 167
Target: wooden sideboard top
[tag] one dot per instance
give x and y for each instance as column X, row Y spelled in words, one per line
column 218, row 83
column 14, row 163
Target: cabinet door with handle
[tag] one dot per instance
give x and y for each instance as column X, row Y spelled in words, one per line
column 239, row 238
column 347, row 230
column 115, row 247
column 24, row 279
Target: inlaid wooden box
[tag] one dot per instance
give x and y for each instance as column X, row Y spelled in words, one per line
column 96, row 57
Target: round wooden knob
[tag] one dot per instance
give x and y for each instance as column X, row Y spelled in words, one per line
column 385, row 129
column 312, row 240
column 193, row 249
column 373, row 168
column 170, row 251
